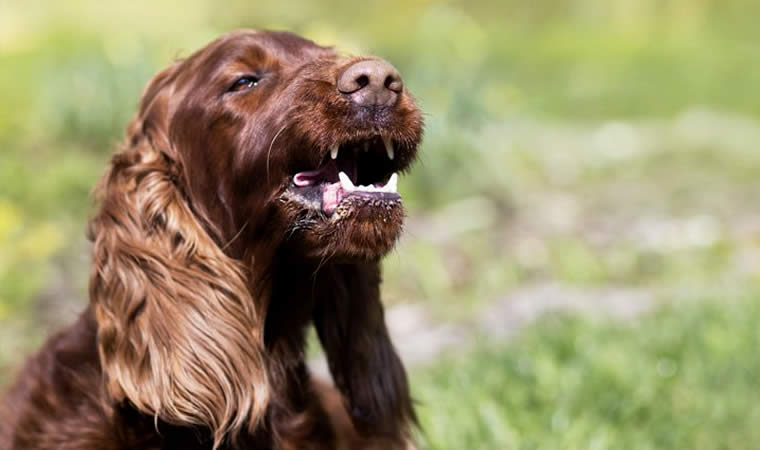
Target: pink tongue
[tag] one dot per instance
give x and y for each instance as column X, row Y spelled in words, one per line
column 328, row 172
column 307, row 178
column 331, row 196
column 332, row 193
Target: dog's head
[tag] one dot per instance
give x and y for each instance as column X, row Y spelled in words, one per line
column 271, row 128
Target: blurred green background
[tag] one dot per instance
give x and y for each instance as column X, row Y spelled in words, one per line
column 581, row 265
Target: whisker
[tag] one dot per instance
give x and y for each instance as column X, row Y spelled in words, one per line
column 269, row 152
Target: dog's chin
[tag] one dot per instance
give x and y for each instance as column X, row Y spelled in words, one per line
column 362, row 226
column 366, row 226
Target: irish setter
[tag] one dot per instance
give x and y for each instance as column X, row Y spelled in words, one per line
column 254, row 195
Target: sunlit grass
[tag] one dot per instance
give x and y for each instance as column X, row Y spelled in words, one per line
column 685, row 377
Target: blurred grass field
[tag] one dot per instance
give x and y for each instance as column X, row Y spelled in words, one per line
column 682, row 378
column 599, row 147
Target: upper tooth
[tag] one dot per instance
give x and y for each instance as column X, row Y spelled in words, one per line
column 334, row 152
column 392, row 184
column 365, row 146
column 346, row 182
column 388, row 146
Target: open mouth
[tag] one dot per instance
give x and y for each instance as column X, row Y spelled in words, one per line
column 365, row 167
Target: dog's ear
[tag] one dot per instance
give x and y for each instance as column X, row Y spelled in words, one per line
column 178, row 335
column 351, row 326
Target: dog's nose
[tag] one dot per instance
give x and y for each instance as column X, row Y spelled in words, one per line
column 372, row 82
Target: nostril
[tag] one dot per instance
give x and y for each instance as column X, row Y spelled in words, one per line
column 362, row 80
column 393, row 83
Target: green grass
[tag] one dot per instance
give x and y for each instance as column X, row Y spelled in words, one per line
column 682, row 378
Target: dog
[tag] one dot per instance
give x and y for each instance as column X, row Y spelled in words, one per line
column 255, row 195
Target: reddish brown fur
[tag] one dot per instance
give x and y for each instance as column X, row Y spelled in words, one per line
column 206, row 273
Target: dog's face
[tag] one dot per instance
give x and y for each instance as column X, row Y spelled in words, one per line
column 276, row 132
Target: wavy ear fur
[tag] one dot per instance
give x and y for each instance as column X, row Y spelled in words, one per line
column 350, row 322
column 179, row 336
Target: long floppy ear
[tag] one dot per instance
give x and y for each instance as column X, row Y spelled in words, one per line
column 351, row 326
column 179, row 335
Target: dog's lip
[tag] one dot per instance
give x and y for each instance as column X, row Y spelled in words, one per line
column 362, row 166
column 327, row 196
column 333, row 194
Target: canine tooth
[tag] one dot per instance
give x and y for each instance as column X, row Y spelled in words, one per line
column 392, row 185
column 365, row 146
column 388, row 146
column 334, row 152
column 346, row 182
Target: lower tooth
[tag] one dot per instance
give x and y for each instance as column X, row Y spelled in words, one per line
column 392, row 185
column 345, row 182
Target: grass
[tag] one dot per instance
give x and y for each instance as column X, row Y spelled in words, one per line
column 684, row 377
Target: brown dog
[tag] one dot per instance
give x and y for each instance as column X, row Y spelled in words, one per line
column 255, row 194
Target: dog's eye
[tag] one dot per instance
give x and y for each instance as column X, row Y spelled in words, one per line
column 244, row 83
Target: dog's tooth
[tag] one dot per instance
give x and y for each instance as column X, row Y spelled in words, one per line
column 392, row 184
column 365, row 146
column 334, row 152
column 388, row 146
column 346, row 182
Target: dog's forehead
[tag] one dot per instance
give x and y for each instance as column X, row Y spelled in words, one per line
column 286, row 47
column 289, row 42
column 246, row 50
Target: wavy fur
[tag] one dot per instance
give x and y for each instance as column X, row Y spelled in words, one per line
column 153, row 260
column 208, row 266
